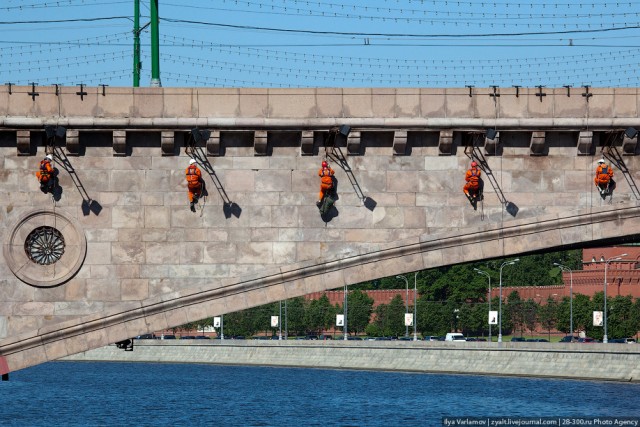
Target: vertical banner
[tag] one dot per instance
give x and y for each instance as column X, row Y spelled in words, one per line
column 408, row 319
column 274, row 321
column 493, row 317
column 216, row 322
column 339, row 319
column 597, row 318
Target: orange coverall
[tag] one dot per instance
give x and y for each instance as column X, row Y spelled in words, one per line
column 194, row 181
column 473, row 180
column 604, row 174
column 45, row 173
column 326, row 182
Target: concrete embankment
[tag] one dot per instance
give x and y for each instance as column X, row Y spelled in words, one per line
column 613, row 362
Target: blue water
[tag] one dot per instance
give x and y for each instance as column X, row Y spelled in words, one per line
column 119, row 394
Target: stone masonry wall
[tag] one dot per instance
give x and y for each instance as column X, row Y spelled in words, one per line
column 144, row 242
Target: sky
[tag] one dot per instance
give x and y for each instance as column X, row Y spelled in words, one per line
column 325, row 43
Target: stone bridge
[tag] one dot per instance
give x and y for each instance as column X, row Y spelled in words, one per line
column 116, row 252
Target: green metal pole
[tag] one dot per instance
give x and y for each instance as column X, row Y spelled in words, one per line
column 155, row 45
column 136, row 43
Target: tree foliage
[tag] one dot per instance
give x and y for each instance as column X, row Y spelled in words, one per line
column 453, row 298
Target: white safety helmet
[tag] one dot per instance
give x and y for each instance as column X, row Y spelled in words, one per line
column 48, row 157
column 192, row 161
column 600, row 161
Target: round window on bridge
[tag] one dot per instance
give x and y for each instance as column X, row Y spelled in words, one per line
column 44, row 245
column 45, row 248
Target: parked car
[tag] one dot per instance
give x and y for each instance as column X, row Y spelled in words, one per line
column 202, row 337
column 454, row 336
column 431, row 338
column 586, row 340
column 623, row 341
column 188, row 337
column 518, row 339
column 168, row 337
column 537, row 340
column 569, row 338
column 146, row 337
column 354, row 338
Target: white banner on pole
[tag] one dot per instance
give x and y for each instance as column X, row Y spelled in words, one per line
column 274, row 321
column 493, row 317
column 597, row 318
column 408, row 319
column 216, row 322
column 339, row 319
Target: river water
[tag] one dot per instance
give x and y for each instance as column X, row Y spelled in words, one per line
column 149, row 394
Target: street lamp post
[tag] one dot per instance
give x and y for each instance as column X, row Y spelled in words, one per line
column 406, row 303
column 344, row 308
column 415, row 296
column 565, row 268
column 484, row 273
column 615, row 258
column 280, row 323
column 500, row 309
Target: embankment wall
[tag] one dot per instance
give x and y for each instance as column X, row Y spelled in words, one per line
column 611, row 362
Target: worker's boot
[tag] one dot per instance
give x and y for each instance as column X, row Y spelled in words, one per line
column 193, row 207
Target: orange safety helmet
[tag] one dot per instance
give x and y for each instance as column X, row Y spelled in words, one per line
column 324, row 164
column 474, row 164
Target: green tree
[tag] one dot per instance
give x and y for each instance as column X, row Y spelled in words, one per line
column 389, row 318
column 620, row 318
column 530, row 315
column 320, row 314
column 515, row 309
column 240, row 323
column 582, row 312
column 434, row 317
column 262, row 318
column 360, row 307
column 473, row 319
column 548, row 315
column 295, row 320
column 563, row 316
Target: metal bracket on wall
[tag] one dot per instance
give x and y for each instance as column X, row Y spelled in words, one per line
column 82, row 92
column 470, row 90
column 33, row 92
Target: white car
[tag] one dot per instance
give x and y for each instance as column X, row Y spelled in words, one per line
column 455, row 336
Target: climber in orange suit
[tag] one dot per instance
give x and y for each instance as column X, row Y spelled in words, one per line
column 472, row 177
column 194, row 183
column 46, row 173
column 326, row 181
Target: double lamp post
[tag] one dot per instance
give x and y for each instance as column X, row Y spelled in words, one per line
column 500, row 296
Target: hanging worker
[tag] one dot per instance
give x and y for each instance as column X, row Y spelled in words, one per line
column 326, row 181
column 472, row 189
column 46, row 174
column 194, row 183
column 604, row 178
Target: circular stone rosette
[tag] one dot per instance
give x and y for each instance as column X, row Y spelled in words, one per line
column 45, row 248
